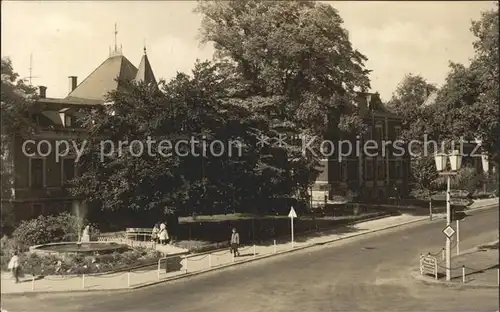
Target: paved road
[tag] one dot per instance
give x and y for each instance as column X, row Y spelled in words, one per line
column 370, row 273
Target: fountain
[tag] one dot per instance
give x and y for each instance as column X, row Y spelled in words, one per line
column 83, row 245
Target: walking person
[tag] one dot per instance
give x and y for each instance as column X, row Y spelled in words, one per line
column 15, row 266
column 154, row 233
column 235, row 241
column 163, row 234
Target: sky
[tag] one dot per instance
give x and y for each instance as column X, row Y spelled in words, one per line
column 73, row 38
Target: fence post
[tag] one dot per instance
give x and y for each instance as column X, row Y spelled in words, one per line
column 443, row 254
column 463, row 274
column 158, row 273
column 274, row 247
column 33, row 282
column 159, row 267
column 210, row 260
column 435, row 269
column 420, row 264
column 128, row 279
column 254, row 253
column 83, row 281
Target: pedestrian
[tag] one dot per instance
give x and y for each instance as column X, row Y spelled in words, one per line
column 163, row 234
column 154, row 233
column 14, row 266
column 235, row 241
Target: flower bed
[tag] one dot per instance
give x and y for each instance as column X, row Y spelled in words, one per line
column 54, row 264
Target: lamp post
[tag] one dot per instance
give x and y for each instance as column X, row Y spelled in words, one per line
column 441, row 160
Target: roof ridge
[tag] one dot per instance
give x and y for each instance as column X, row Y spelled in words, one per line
column 89, row 75
column 105, row 78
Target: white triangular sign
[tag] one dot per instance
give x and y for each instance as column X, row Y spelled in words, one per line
column 292, row 213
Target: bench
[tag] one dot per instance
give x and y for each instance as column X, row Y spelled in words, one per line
column 136, row 233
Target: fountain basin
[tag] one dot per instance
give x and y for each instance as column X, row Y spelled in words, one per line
column 87, row 248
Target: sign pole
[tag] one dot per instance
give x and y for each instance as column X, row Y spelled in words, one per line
column 292, row 214
column 458, row 237
column 448, row 222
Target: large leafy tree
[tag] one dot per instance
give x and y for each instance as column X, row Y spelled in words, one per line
column 17, row 100
column 295, row 54
column 407, row 102
column 193, row 108
column 296, row 67
column 469, row 97
column 418, row 120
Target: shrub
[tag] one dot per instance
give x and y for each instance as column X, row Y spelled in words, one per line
column 46, row 229
column 468, row 179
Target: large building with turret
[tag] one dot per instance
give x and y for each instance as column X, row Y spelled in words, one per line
column 39, row 184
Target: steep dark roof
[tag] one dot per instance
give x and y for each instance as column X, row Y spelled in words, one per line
column 103, row 80
column 145, row 73
column 371, row 102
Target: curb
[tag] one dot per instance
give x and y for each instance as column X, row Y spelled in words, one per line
column 187, row 275
column 455, row 285
column 190, row 274
column 194, row 254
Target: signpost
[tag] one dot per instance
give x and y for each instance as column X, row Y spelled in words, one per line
column 292, row 214
column 458, row 215
column 428, row 265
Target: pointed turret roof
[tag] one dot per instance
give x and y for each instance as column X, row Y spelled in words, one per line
column 104, row 79
column 144, row 72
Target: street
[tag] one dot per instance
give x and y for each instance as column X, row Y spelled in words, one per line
column 368, row 273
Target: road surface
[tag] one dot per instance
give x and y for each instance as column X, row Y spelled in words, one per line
column 369, row 273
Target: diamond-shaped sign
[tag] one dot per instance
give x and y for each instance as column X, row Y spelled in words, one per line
column 449, row 231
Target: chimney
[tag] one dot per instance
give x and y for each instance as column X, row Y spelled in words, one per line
column 368, row 100
column 43, row 91
column 72, row 83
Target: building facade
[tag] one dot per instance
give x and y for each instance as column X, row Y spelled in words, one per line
column 40, row 178
column 374, row 171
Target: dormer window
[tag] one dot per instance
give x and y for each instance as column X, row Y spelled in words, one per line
column 65, row 116
column 67, row 122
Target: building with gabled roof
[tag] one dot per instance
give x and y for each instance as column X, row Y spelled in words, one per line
column 361, row 177
column 40, row 183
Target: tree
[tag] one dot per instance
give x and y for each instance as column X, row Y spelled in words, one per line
column 407, row 102
column 418, row 120
column 296, row 54
column 197, row 108
column 296, row 68
column 470, row 94
column 16, row 102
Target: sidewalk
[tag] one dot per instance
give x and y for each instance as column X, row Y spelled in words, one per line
column 183, row 266
column 474, row 268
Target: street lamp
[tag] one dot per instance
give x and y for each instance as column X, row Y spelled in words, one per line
column 441, row 160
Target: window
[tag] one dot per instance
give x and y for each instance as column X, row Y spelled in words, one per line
column 343, row 170
column 37, row 173
column 397, row 132
column 369, row 169
column 380, row 169
column 398, row 169
column 368, row 134
column 392, row 169
column 379, row 133
column 67, row 170
column 67, row 120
